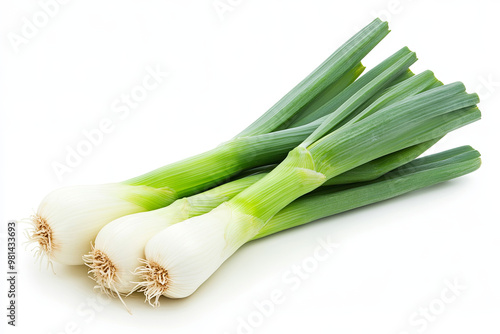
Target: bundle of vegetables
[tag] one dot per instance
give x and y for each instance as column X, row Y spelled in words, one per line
column 337, row 142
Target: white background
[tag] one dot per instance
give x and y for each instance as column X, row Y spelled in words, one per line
column 394, row 258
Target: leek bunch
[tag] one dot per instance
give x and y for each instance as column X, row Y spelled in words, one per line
column 337, row 141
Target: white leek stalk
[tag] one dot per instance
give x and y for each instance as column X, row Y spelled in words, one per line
column 184, row 255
